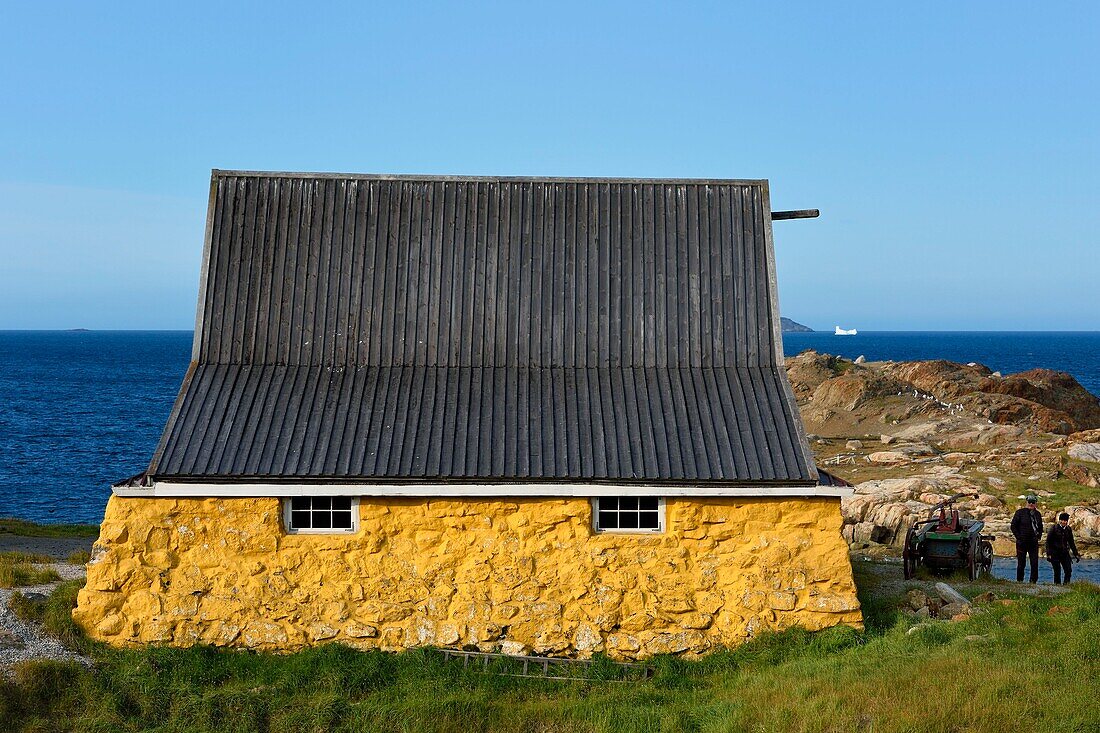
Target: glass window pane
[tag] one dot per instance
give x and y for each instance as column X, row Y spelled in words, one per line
column 607, row 520
column 648, row 502
column 628, row 520
column 306, row 512
column 647, row 520
column 608, row 503
column 628, row 502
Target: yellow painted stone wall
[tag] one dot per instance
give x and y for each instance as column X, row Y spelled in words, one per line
column 513, row 575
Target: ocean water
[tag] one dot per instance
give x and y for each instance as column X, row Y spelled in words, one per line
column 1005, row 568
column 80, row 410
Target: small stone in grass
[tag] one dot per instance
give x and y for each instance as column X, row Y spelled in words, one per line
column 916, row 599
column 951, row 610
column 9, row 640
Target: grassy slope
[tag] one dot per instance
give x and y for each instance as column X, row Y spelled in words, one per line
column 1031, row 670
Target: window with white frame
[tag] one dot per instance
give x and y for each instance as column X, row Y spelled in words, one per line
column 628, row 514
column 321, row 514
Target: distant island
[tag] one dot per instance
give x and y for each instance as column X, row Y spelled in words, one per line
column 790, row 326
column 85, row 330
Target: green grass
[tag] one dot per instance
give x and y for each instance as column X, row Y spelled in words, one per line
column 26, row 608
column 79, row 557
column 1021, row 664
column 55, row 613
column 23, row 528
column 840, row 365
column 13, row 556
column 17, row 571
column 1065, row 492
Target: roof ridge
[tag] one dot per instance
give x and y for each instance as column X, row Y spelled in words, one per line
column 436, row 177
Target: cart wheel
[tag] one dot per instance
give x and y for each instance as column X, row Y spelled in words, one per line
column 972, row 567
column 985, row 558
column 909, row 558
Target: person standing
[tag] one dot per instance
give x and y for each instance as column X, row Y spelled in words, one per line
column 1061, row 547
column 1027, row 528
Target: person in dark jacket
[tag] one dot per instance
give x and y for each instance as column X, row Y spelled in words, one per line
column 1061, row 547
column 1027, row 528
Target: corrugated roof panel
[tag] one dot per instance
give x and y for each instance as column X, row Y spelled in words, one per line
column 397, row 423
column 358, row 327
column 446, row 273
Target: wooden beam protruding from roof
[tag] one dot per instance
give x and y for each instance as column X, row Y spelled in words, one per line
column 797, row 214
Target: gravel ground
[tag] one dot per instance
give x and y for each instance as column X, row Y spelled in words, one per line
column 891, row 581
column 58, row 548
column 21, row 641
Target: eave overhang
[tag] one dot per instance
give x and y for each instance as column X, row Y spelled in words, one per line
column 198, row 489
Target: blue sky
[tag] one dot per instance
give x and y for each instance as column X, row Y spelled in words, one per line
column 953, row 148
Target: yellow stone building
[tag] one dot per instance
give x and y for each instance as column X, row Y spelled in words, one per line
column 516, row 415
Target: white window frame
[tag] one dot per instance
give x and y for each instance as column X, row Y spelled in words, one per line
column 595, row 501
column 289, row 529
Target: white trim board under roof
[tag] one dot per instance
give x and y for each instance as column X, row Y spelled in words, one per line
column 176, row 489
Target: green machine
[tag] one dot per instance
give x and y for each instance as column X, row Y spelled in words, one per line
column 946, row 542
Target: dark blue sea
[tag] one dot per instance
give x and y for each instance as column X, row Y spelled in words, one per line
column 80, row 410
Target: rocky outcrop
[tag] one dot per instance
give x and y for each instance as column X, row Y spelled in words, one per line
column 1081, row 474
column 1007, row 410
column 1085, row 452
column 809, row 369
column 1067, row 406
column 1085, row 436
column 851, row 390
column 946, row 380
column 1085, row 521
column 946, row 428
column 1039, row 399
column 888, row 457
column 882, row 511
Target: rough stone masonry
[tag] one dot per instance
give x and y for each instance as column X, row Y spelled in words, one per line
column 518, row 576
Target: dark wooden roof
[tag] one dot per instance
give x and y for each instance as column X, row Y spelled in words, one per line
column 379, row 328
